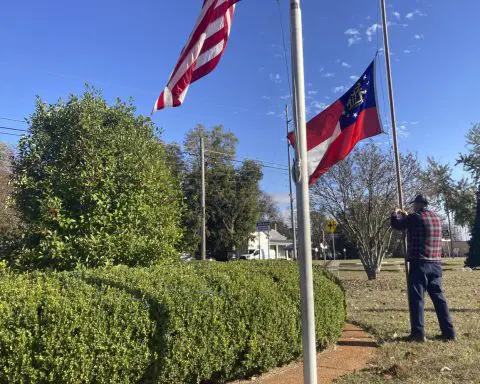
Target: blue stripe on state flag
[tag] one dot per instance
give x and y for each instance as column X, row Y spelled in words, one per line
column 359, row 97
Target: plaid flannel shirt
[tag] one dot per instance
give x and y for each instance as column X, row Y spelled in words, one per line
column 424, row 230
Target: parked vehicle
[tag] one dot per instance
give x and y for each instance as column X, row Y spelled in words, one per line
column 253, row 254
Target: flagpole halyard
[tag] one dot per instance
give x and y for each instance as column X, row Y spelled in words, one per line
column 303, row 203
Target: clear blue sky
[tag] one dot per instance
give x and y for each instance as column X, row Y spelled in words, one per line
column 129, row 49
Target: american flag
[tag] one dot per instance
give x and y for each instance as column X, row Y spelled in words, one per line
column 202, row 52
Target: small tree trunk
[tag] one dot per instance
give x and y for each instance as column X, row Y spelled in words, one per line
column 372, row 272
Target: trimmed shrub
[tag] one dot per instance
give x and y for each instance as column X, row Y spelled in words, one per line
column 59, row 329
column 189, row 323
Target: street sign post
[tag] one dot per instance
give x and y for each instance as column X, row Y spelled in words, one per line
column 263, row 226
column 331, row 227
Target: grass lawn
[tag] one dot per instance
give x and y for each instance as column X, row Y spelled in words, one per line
column 381, row 307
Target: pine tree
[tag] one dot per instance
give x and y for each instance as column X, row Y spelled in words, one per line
column 473, row 257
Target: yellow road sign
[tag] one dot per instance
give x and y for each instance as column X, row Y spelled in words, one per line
column 331, row 226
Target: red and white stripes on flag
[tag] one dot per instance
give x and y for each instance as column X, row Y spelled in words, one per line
column 202, row 52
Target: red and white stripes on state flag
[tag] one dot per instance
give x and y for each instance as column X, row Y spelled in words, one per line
column 202, row 52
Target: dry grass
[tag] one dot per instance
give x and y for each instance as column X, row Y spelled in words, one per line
column 381, row 307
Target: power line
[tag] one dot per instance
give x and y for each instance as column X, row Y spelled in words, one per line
column 10, row 119
column 13, row 129
column 274, row 166
column 285, row 49
column 11, row 134
column 264, row 163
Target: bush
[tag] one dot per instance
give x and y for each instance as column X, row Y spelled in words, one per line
column 190, row 323
column 59, row 329
column 94, row 186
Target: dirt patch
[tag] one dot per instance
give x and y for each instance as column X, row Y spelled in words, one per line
column 351, row 353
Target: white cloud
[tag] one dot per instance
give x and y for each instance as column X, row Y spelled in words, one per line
column 372, row 30
column 354, row 36
column 352, row 31
column 279, row 55
column 266, row 97
column 353, row 40
column 418, row 36
column 319, row 106
column 281, row 198
column 327, row 97
column 275, row 77
column 395, row 24
column 414, row 122
column 354, row 77
column 329, row 74
column 407, row 51
column 285, row 97
column 346, row 65
column 312, row 92
column 321, row 69
column 403, row 132
column 341, row 88
column 309, row 85
column 416, row 12
column 397, row 15
column 270, row 113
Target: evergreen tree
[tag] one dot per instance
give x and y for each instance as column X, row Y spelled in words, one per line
column 473, row 257
column 94, row 187
column 471, row 163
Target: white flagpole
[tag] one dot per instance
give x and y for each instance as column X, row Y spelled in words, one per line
column 303, row 203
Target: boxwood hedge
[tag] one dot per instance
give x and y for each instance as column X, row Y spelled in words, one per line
column 173, row 323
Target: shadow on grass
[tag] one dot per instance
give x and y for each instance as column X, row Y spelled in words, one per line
column 358, row 343
column 384, row 310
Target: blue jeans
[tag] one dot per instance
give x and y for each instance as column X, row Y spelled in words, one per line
column 423, row 277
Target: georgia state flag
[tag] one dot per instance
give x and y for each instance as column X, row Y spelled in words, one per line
column 333, row 133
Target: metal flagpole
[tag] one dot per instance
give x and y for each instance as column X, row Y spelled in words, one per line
column 394, row 124
column 204, row 236
column 291, row 193
column 303, row 203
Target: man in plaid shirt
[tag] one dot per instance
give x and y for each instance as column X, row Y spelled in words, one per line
column 424, row 234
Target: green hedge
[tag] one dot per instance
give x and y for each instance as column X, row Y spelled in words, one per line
column 59, row 329
column 188, row 323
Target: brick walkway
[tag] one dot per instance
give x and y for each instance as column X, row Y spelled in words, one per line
column 352, row 353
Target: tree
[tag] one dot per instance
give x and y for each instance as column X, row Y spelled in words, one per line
column 232, row 193
column 94, row 187
column 463, row 203
column 471, row 163
column 9, row 219
column 360, row 193
column 269, row 211
column 318, row 221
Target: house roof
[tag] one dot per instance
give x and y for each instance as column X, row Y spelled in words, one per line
column 275, row 235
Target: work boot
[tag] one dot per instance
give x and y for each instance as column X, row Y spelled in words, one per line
column 445, row 338
column 415, row 339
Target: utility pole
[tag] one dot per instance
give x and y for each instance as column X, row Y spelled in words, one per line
column 291, row 193
column 202, row 198
column 303, row 203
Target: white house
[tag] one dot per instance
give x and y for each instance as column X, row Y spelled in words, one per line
column 272, row 245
